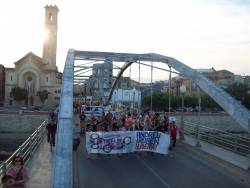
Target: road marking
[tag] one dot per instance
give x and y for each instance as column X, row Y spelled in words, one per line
column 154, row 172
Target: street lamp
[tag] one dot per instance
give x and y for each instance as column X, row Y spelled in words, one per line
column 115, row 100
column 198, row 144
column 182, row 91
column 134, row 90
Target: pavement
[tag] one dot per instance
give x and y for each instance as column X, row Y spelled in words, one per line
column 185, row 166
column 226, row 155
column 40, row 167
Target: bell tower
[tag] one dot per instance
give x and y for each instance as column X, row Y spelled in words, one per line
column 50, row 41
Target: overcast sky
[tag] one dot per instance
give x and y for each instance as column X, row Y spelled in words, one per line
column 199, row 33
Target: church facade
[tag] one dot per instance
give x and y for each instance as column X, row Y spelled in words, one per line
column 37, row 74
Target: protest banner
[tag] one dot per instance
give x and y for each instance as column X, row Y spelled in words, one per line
column 127, row 142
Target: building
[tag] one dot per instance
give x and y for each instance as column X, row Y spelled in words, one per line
column 222, row 78
column 129, row 96
column 2, row 84
column 100, row 81
column 34, row 73
column 124, row 83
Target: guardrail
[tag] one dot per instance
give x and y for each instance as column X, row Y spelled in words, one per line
column 27, row 149
column 229, row 141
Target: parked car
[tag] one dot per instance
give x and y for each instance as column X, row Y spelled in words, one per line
column 24, row 108
column 35, row 108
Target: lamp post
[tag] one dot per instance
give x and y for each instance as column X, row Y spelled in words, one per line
column 182, row 91
column 115, row 100
column 134, row 90
column 198, row 144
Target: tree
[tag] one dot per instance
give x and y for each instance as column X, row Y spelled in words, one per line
column 246, row 101
column 238, row 91
column 19, row 94
column 43, row 95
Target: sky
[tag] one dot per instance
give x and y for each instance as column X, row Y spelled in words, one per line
column 199, row 33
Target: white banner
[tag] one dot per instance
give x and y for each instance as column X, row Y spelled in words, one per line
column 127, row 142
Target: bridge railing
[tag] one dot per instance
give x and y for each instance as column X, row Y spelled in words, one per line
column 229, row 141
column 27, row 149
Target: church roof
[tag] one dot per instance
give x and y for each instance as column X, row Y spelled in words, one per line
column 39, row 59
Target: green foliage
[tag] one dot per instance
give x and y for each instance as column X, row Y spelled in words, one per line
column 246, row 100
column 240, row 93
column 19, row 94
column 43, row 95
column 208, row 103
column 161, row 101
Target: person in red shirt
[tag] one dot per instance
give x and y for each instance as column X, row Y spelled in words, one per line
column 173, row 133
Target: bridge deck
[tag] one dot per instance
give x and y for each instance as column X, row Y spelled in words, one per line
column 187, row 168
column 40, row 167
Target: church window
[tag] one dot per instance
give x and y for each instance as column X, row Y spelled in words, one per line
column 50, row 17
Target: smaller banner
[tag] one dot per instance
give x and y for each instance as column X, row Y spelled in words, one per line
column 127, row 142
column 172, row 119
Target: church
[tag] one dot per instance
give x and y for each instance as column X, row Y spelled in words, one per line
column 37, row 74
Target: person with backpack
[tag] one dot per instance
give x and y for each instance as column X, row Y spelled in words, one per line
column 18, row 172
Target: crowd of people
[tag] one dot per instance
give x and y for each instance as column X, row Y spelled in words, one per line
column 17, row 175
column 119, row 121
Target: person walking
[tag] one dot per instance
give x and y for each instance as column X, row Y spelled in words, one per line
column 147, row 124
column 51, row 128
column 18, row 172
column 173, row 134
column 76, row 136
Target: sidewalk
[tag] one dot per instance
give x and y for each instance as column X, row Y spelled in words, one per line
column 40, row 167
column 233, row 158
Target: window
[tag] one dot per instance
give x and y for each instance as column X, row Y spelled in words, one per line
column 55, row 91
column 11, row 77
column 50, row 17
column 47, row 79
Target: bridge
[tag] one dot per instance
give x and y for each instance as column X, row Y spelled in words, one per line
column 214, row 164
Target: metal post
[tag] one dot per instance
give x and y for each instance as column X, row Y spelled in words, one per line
column 115, row 101
column 4, row 167
column 182, row 111
column 181, row 131
column 151, row 89
column 198, row 144
column 249, row 125
column 139, row 80
column 133, row 101
column 169, row 92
